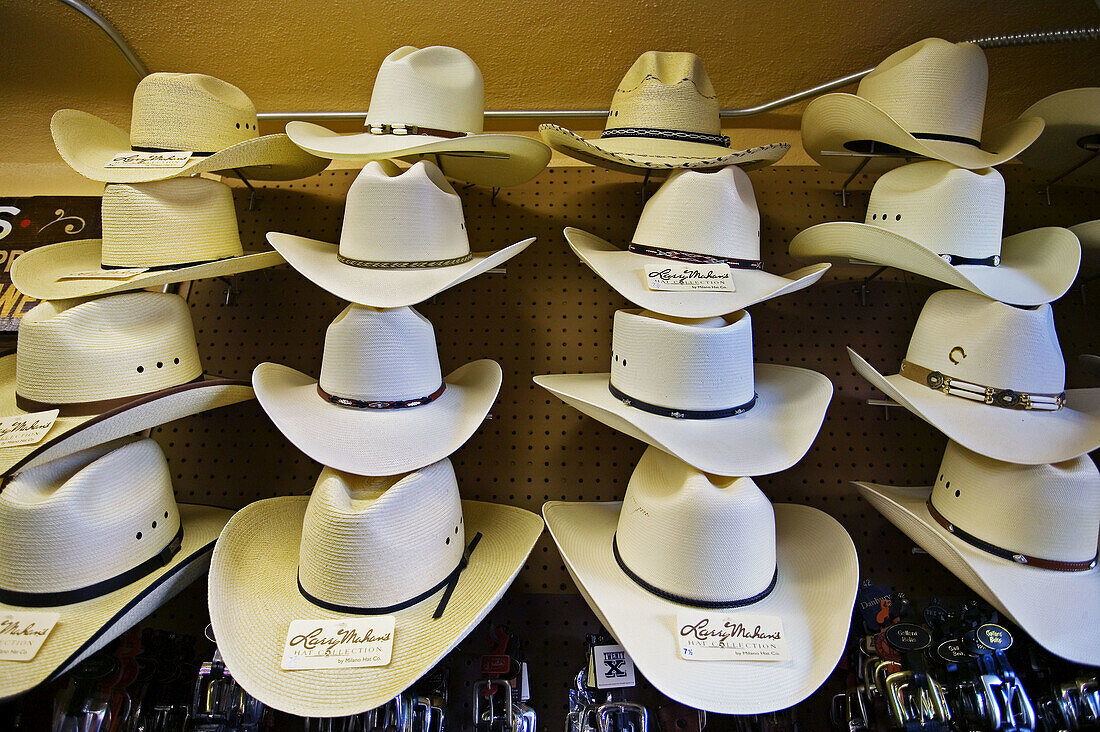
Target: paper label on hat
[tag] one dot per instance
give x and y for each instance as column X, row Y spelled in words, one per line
column 104, row 274
column 26, row 429
column 340, row 643
column 685, row 277
column 610, row 667
column 135, row 159
column 23, row 633
column 716, row 637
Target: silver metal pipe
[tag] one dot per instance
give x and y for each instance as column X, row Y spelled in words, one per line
column 117, row 38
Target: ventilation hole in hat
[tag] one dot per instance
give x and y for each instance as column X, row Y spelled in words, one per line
column 456, row 528
column 948, row 484
column 448, row 540
column 160, row 364
column 897, row 218
column 176, row 361
column 238, row 125
column 141, row 369
column 874, row 217
column 958, row 493
column 165, row 514
column 154, row 524
column 138, row 537
column 624, row 362
column 941, row 476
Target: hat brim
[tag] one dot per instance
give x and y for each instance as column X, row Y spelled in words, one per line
column 381, row 288
column 1057, row 609
column 377, row 441
column 818, row 573
column 87, row 143
column 72, row 434
column 40, row 272
column 489, row 159
column 1037, row 266
column 85, row 627
column 1069, row 115
column 641, row 155
column 832, row 121
column 772, row 436
column 626, row 272
column 1088, row 233
column 1011, row 435
column 254, row 597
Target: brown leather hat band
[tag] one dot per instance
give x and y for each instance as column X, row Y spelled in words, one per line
column 85, row 409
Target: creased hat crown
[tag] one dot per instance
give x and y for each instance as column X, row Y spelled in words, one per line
column 438, row 87
column 191, row 112
column 667, row 91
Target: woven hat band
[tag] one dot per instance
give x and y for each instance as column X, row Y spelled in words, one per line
column 190, row 112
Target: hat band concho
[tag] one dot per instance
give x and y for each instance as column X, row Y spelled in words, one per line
column 97, row 589
column 694, row 257
column 421, row 264
column 663, row 134
column 1038, row 562
column 681, row 413
column 1005, row 398
column 378, row 404
column 87, row 409
column 383, row 128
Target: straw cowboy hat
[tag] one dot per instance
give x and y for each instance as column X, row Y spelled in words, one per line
column 926, row 100
column 944, row 222
column 430, row 103
column 992, row 378
column 690, row 387
column 1023, row 537
column 695, row 218
column 664, row 115
column 97, row 538
column 153, row 234
column 213, row 121
column 381, row 406
column 111, row 366
column 1088, row 233
column 722, row 548
column 1072, row 133
column 403, row 240
column 403, row 546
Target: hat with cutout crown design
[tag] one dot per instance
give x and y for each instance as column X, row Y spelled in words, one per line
column 1024, row 537
column 403, row 546
column 1071, row 136
column 944, row 222
column 116, row 500
column 403, row 240
column 429, row 103
column 722, row 549
column 189, row 124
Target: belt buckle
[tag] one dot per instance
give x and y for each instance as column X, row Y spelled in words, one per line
column 635, row 717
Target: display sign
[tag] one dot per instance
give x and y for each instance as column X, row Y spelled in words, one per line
column 691, row 277
column 743, row 637
column 340, row 643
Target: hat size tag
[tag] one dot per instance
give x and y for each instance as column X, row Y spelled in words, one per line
column 23, row 633
column 688, row 277
column 168, row 159
column 26, row 429
column 340, row 643
column 708, row 637
column 609, row 667
column 105, row 274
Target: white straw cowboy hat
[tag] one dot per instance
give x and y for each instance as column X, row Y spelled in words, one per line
column 1072, row 133
column 695, row 218
column 992, row 378
column 402, row 241
column 685, row 541
column 111, row 366
column 381, row 406
column 928, row 100
column 212, row 120
column 403, row 546
column 944, row 222
column 153, row 234
column 690, row 387
column 1023, row 537
column 664, row 115
column 96, row 537
column 430, row 103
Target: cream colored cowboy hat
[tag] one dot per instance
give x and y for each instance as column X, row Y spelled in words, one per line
column 112, row 367
column 97, row 538
column 1088, row 233
column 690, row 387
column 430, row 103
column 944, row 222
column 992, row 378
column 358, row 548
column 927, row 100
column 192, row 113
column 664, row 115
column 153, row 234
column 684, row 541
column 1072, row 133
column 381, row 406
column 1024, row 537
column 403, row 240
column 696, row 217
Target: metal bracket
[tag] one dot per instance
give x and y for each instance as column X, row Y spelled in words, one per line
column 1093, row 149
column 863, row 288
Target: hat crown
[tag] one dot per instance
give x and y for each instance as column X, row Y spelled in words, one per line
column 970, row 337
column 408, row 216
column 115, row 501
column 681, row 363
column 437, row 86
column 696, row 535
column 376, row 542
column 168, row 222
column 932, row 87
column 943, row 208
column 191, row 112
column 380, row 355
column 666, row 90
column 1046, row 511
column 705, row 212
column 134, row 343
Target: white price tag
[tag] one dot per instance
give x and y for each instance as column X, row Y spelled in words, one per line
column 345, row 643
column 711, row 637
column 105, row 274
column 688, row 277
column 611, row 668
column 23, row 633
column 26, row 429
column 170, row 159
